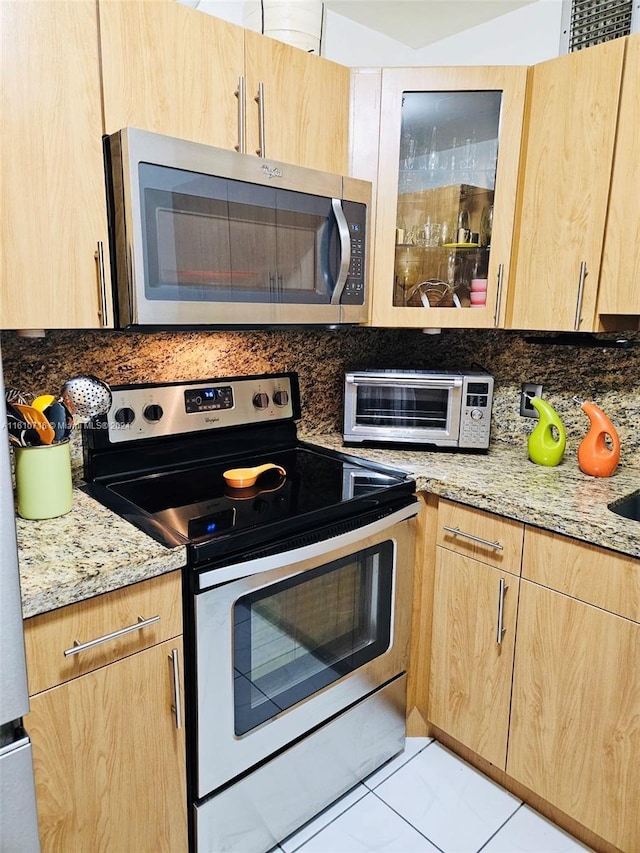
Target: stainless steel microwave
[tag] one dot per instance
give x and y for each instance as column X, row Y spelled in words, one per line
column 200, row 236
column 436, row 408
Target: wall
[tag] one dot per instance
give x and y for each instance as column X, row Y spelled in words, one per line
column 522, row 37
column 606, row 376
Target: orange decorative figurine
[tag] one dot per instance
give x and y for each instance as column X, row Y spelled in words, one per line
column 598, row 456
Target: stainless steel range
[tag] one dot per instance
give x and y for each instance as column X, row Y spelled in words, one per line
column 297, row 592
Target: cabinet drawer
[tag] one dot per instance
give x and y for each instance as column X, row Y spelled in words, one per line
column 484, row 536
column 594, row 575
column 48, row 636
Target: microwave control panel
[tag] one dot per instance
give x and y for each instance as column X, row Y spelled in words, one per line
column 356, row 216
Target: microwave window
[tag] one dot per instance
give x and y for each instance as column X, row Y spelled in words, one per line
column 213, row 239
column 398, row 406
column 295, row 637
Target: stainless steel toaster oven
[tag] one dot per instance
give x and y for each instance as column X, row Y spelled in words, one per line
column 436, row 408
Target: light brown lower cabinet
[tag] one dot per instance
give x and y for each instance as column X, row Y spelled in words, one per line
column 560, row 714
column 472, row 653
column 109, row 759
column 575, row 725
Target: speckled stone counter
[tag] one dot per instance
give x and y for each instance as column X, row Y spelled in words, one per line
column 504, row 481
column 84, row 553
column 91, row 550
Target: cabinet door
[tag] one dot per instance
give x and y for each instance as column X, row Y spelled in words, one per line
column 620, row 278
column 306, row 105
column 575, row 736
column 53, row 217
column 563, row 199
column 447, row 174
column 109, row 761
column 170, row 69
column 470, row 685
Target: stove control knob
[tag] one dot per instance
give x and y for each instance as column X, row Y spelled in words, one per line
column 280, row 398
column 476, row 415
column 153, row 412
column 125, row 416
column 261, row 400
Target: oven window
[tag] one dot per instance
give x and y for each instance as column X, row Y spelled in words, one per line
column 295, row 637
column 214, row 239
column 398, row 406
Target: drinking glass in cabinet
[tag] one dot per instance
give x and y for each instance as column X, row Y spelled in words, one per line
column 446, row 186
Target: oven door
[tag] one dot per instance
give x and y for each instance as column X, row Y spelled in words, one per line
column 403, row 408
column 306, row 634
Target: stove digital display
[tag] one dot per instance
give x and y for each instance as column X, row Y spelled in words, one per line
column 208, row 399
column 210, row 525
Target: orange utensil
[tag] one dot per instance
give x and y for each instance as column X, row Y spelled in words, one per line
column 243, row 478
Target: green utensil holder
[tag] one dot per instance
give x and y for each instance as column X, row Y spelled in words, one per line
column 43, row 480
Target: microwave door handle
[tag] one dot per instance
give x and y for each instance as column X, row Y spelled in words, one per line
column 345, row 250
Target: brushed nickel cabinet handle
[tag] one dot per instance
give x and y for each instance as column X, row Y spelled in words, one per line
column 242, row 133
column 583, row 275
column 99, row 256
column 501, row 594
column 457, row 532
column 496, row 316
column 81, row 647
column 176, row 707
column 259, row 99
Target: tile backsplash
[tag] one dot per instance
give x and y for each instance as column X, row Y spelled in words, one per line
column 608, row 376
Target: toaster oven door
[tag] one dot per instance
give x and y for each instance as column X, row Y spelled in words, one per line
column 409, row 409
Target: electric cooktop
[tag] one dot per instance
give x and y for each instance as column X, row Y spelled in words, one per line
column 157, row 458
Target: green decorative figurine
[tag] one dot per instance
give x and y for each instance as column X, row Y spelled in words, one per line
column 548, row 439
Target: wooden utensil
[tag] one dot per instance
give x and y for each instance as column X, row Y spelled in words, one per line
column 243, row 478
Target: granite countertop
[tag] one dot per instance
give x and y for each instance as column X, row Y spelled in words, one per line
column 506, row 482
column 86, row 552
column 91, row 550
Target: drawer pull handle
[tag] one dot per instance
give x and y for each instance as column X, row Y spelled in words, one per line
column 81, row 647
column 176, row 708
column 501, row 594
column 457, row 532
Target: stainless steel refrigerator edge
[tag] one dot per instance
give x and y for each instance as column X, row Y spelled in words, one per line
column 18, row 816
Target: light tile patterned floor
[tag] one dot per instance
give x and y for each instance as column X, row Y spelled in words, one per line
column 428, row 800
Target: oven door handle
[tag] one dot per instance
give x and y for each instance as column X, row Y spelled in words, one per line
column 216, row 577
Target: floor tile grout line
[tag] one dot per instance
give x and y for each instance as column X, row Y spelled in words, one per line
column 415, row 828
column 333, row 819
column 404, row 764
column 501, row 827
column 368, row 790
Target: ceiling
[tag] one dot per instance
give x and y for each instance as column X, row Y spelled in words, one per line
column 418, row 23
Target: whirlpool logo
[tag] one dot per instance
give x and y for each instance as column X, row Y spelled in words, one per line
column 271, row 171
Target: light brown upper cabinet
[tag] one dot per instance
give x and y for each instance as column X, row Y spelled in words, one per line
column 566, row 171
column 179, row 71
column 449, row 148
column 170, row 69
column 619, row 291
column 305, row 105
column 53, row 218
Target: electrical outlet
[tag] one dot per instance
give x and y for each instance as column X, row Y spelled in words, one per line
column 529, row 390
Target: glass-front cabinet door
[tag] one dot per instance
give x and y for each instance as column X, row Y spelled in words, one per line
column 447, row 176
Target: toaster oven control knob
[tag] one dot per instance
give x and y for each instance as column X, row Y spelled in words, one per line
column 125, row 416
column 476, row 415
column 153, row 412
column 261, row 400
column 280, row 398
